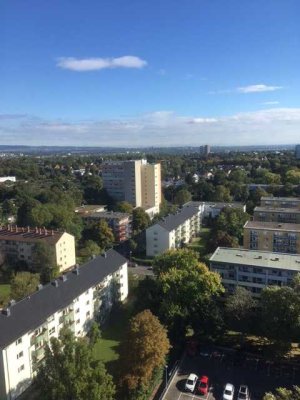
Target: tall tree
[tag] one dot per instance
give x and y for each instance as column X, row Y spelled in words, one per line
column 44, row 262
column 125, row 207
column 182, row 197
column 149, row 344
column 140, row 220
column 284, row 394
column 23, row 284
column 69, row 371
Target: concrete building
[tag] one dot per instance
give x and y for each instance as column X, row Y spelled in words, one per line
column 18, row 244
column 274, row 214
column 73, row 300
column 297, row 151
column 280, row 202
column 253, row 270
column 119, row 222
column 204, row 150
column 173, row 231
column 136, row 182
column 272, row 237
column 88, row 209
column 213, row 209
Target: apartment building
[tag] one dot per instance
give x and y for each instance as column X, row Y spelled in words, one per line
column 210, row 209
column 280, row 202
column 134, row 181
column 173, row 231
column 253, row 270
column 272, row 237
column 119, row 222
column 73, row 300
column 19, row 243
column 89, row 208
column 297, row 151
column 274, row 214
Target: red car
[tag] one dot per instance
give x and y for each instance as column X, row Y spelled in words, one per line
column 203, row 386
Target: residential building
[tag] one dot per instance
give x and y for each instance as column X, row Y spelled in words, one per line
column 204, row 150
column 297, row 151
column 213, row 209
column 73, row 300
column 253, row 270
column 19, row 243
column 88, row 209
column 119, row 222
column 173, row 231
column 134, row 181
column 274, row 214
column 280, row 202
column 271, row 236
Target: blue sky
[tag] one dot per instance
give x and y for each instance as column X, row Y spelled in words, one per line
column 140, row 72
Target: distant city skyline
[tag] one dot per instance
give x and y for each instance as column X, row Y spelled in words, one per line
column 146, row 73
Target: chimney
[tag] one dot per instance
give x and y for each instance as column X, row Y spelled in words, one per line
column 105, row 254
column 6, row 311
column 63, row 277
column 28, row 229
column 76, row 270
column 36, row 230
column 52, row 232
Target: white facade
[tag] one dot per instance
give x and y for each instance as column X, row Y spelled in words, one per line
column 172, row 232
column 20, row 359
column 7, row 178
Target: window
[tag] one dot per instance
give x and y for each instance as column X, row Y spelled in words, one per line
column 19, row 341
column 78, row 321
column 52, row 330
column 20, row 355
column 77, row 311
column 88, row 314
column 88, row 302
column 21, row 368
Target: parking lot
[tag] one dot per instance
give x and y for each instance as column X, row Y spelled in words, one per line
column 225, row 367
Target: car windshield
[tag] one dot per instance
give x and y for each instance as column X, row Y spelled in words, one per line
column 190, row 382
column 227, row 391
column 202, row 384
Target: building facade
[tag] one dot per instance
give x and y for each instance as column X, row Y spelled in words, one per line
column 73, row 300
column 135, row 181
column 253, row 270
column 297, row 151
column 280, row 202
column 19, row 243
column 211, row 209
column 173, row 231
column 272, row 237
column 274, row 214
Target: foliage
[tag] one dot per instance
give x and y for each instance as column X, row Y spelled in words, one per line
column 284, row 394
column 70, row 372
column 148, row 343
column 182, row 197
column 23, row 284
column 240, row 308
column 181, row 258
column 100, row 233
column 88, row 250
column 140, row 220
column 125, row 207
column 221, row 239
column 293, row 176
column 43, row 260
column 94, row 333
column 232, row 221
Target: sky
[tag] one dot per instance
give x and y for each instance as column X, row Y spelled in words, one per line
column 159, row 73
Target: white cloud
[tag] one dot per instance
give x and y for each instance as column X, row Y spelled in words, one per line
column 270, row 103
column 160, row 128
column 94, row 64
column 257, row 88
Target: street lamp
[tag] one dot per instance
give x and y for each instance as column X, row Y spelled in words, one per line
column 166, row 372
column 130, row 254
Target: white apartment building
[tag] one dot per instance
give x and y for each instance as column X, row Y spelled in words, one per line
column 252, row 269
column 72, row 300
column 18, row 244
column 134, row 181
column 211, row 209
column 173, row 231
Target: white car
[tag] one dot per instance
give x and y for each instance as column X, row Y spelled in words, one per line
column 243, row 393
column 190, row 383
column 228, row 392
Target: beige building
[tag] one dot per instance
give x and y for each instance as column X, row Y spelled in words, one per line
column 280, row 202
column 134, row 181
column 173, row 231
column 274, row 214
column 272, row 237
column 253, row 270
column 18, row 244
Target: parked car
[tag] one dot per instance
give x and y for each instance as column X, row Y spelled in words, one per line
column 191, row 382
column 243, row 393
column 228, row 392
column 203, row 385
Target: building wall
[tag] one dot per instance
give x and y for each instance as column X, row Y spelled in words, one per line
column 252, row 278
column 271, row 240
column 19, row 361
column 277, row 216
column 158, row 240
column 113, row 179
column 277, row 202
column 151, row 185
column 65, row 252
column 132, row 182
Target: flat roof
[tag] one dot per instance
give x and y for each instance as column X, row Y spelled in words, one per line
column 272, row 226
column 276, row 210
column 32, row 311
column 108, row 215
column 256, row 258
column 216, row 204
column 288, row 199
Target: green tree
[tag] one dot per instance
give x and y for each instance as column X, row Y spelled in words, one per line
column 94, row 333
column 220, row 239
column 100, row 233
column 284, row 394
column 44, row 262
column 23, row 284
column 149, row 345
column 140, row 220
column 125, row 207
column 293, row 176
column 69, row 371
column 181, row 258
column 222, row 193
column 182, row 197
column 232, row 221
column 88, row 250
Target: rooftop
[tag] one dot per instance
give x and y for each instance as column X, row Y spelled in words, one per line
column 287, row 199
column 272, row 226
column 32, row 311
column 172, row 221
column 108, row 215
column 256, row 258
column 90, row 208
column 276, row 210
column 34, row 235
column 216, row 204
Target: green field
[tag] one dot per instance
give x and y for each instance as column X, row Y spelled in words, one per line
column 4, row 290
column 199, row 244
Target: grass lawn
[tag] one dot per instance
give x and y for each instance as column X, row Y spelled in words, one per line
column 4, row 290
column 199, row 243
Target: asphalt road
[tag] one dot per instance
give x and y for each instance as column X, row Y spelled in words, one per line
column 221, row 372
